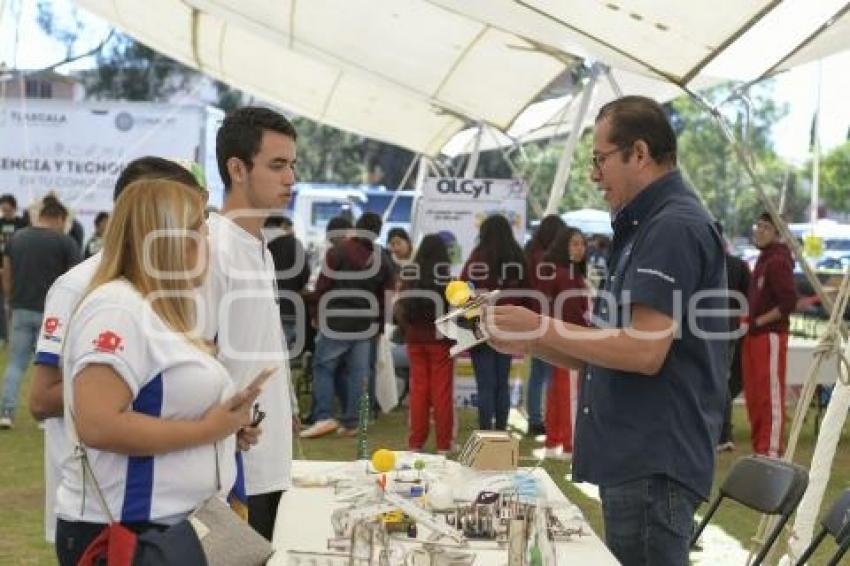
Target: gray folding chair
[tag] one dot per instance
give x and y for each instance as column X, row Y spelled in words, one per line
column 767, row 485
column 837, row 524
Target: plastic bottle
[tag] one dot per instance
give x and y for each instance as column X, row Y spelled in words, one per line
column 516, row 392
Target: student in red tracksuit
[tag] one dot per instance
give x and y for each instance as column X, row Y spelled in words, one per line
column 570, row 298
column 539, row 372
column 772, row 297
column 497, row 262
column 431, row 367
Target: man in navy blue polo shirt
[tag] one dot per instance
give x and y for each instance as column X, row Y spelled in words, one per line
column 652, row 396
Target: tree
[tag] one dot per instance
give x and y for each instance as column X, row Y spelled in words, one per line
column 710, row 163
column 326, row 154
column 835, row 178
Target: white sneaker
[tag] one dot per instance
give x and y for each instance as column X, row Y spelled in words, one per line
column 556, row 453
column 5, row 422
column 320, row 428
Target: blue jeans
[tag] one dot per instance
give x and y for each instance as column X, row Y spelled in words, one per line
column 649, row 521
column 25, row 327
column 4, row 331
column 289, row 337
column 330, row 355
column 538, row 378
column 491, row 378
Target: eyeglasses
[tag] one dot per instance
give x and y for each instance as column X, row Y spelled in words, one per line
column 598, row 159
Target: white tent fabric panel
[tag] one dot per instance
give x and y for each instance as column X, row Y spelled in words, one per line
column 772, row 39
column 420, row 49
column 414, row 72
column 487, row 92
column 636, row 35
column 395, row 39
column 554, row 117
column 836, row 38
column 406, row 72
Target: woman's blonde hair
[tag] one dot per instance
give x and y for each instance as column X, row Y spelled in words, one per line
column 146, row 243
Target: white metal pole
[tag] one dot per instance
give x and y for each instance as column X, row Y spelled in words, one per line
column 472, row 163
column 416, row 159
column 562, row 174
column 425, row 167
column 813, row 213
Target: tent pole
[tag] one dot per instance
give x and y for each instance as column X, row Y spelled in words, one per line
column 813, row 210
column 562, row 173
column 831, row 426
column 615, row 86
column 416, row 159
column 744, row 158
column 425, row 168
column 533, row 202
column 472, row 163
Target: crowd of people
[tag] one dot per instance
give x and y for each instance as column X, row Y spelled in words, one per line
column 37, row 247
column 162, row 346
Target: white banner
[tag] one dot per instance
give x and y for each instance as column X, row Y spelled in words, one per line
column 455, row 208
column 77, row 149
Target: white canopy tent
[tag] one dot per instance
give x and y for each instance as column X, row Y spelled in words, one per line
column 415, row 72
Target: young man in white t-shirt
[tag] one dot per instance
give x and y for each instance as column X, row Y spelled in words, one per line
column 46, row 402
column 256, row 154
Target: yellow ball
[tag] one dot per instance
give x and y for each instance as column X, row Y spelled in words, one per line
column 383, row 460
column 458, row 293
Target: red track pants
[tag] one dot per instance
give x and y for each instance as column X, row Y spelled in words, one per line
column 431, row 386
column 763, row 357
column 561, row 399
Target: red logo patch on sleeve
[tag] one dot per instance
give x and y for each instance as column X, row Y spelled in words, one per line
column 51, row 325
column 108, row 342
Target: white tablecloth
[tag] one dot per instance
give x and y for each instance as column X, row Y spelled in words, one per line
column 800, row 354
column 304, row 523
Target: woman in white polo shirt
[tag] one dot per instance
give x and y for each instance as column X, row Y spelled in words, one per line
column 156, row 412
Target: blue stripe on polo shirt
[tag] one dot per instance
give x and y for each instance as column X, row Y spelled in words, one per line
column 46, row 359
column 138, row 492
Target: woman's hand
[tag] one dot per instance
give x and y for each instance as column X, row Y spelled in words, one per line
column 247, row 437
column 227, row 418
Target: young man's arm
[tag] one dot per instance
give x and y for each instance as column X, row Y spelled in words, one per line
column 46, row 395
column 780, row 277
column 7, row 277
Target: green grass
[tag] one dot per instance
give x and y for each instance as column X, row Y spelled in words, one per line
column 22, row 477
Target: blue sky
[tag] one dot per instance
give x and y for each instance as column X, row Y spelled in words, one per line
column 797, row 88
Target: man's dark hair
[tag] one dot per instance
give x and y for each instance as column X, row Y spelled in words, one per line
column 431, row 257
column 767, row 218
column 338, row 223
column 152, row 167
column 101, row 216
column 634, row 118
column 10, row 200
column 549, row 227
column 278, row 221
column 370, row 222
column 497, row 247
column 241, row 135
column 398, row 232
column 559, row 250
column 52, row 208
